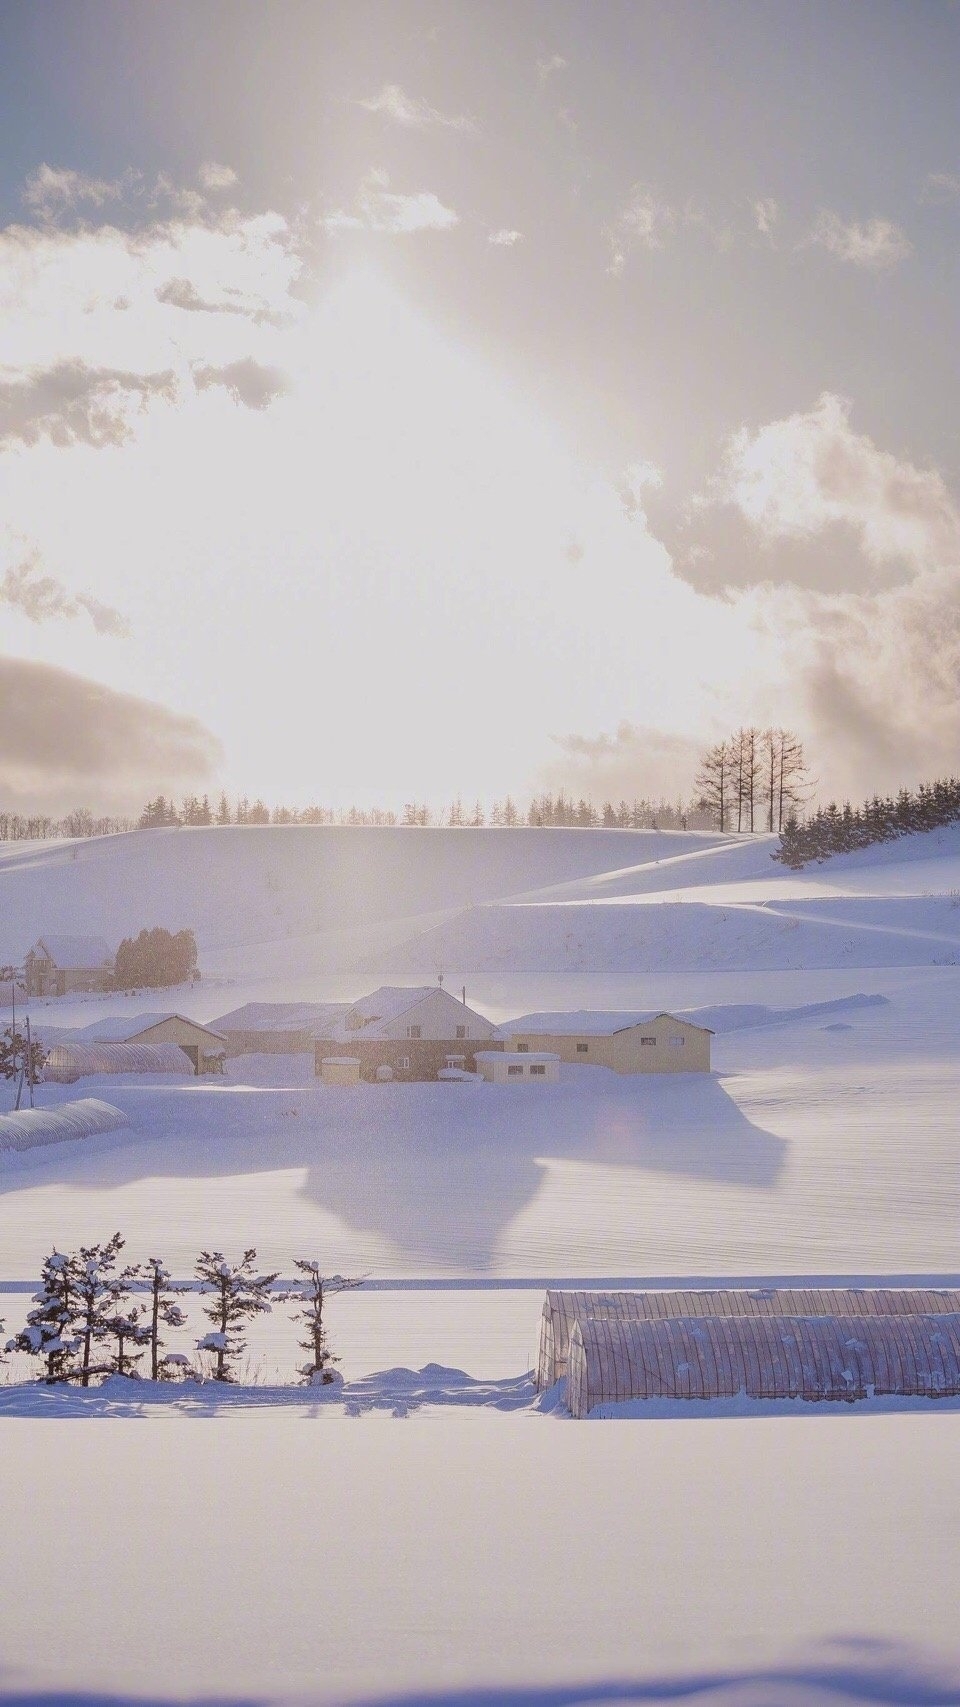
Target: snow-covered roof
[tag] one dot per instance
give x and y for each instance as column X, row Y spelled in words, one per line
column 316, row 1017
column 587, row 1024
column 121, row 1028
column 75, row 953
column 389, row 1001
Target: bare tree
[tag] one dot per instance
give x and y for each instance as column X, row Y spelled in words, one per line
column 714, row 783
column 312, row 1292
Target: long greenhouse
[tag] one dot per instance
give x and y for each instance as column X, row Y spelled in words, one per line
column 562, row 1309
column 762, row 1357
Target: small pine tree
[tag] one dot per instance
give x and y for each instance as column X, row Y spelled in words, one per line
column 236, row 1294
column 164, row 1309
column 50, row 1332
column 312, row 1292
column 130, row 1329
column 101, row 1294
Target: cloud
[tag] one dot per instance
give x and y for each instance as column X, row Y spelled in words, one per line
column 52, row 189
column 504, row 238
column 798, row 477
column 65, row 739
column 766, row 212
column 213, row 176
column 634, row 763
column 413, row 113
column 872, row 672
column 75, row 404
column 547, row 68
column 636, row 480
column 248, row 382
column 940, row 187
column 381, row 209
column 644, row 223
column 183, row 293
column 41, row 598
column 877, row 243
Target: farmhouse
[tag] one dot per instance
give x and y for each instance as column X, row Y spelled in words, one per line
column 508, row 1067
column 627, row 1043
column 278, row 1028
column 58, row 965
column 409, row 1033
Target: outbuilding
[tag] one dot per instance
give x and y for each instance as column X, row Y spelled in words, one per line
column 624, row 1042
column 67, row 1062
column 279, row 1028
column 203, row 1047
column 509, row 1068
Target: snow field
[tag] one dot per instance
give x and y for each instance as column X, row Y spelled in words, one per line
column 795, row 1560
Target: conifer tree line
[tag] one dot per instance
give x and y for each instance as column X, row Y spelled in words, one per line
column 559, row 810
column 837, row 829
column 95, row 1316
column 753, row 780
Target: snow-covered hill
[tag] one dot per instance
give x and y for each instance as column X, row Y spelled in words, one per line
column 277, row 907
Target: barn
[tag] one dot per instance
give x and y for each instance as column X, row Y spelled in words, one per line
column 624, row 1042
column 562, row 1310
column 816, row 1358
column 57, row 965
column 278, row 1028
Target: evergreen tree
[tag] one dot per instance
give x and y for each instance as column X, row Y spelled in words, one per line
column 311, row 1291
column 236, row 1293
column 131, row 1332
column 50, row 1332
column 164, row 1309
column 101, row 1293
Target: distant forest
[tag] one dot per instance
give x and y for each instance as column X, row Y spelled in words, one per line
column 559, row 810
column 841, row 829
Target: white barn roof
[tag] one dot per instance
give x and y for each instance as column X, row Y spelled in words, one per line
column 316, row 1017
column 587, row 1023
column 75, row 953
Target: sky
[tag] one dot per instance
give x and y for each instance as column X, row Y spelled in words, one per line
column 409, row 400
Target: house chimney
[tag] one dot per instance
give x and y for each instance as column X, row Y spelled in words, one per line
column 463, row 995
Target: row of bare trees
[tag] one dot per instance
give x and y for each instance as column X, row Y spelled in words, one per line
column 754, row 779
column 93, row 1318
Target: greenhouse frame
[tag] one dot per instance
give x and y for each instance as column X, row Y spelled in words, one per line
column 562, row 1309
column 816, row 1358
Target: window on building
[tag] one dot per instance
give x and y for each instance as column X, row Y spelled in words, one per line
column 649, row 1040
column 538, row 1069
column 513, row 1072
column 523, row 1048
column 405, row 1064
column 676, row 1042
column 461, row 1031
column 583, row 1048
column 414, row 1031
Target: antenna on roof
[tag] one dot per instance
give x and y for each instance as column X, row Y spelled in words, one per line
column 440, row 979
column 463, row 995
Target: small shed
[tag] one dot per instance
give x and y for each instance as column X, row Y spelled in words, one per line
column 68, row 1062
column 561, row 1310
column 816, row 1358
column 501, row 1068
column 340, row 1070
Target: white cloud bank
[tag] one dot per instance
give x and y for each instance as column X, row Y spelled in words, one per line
column 412, row 113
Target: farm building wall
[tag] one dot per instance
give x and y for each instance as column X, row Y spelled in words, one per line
column 661, row 1045
column 409, row 1058
column 817, row 1358
column 561, row 1310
